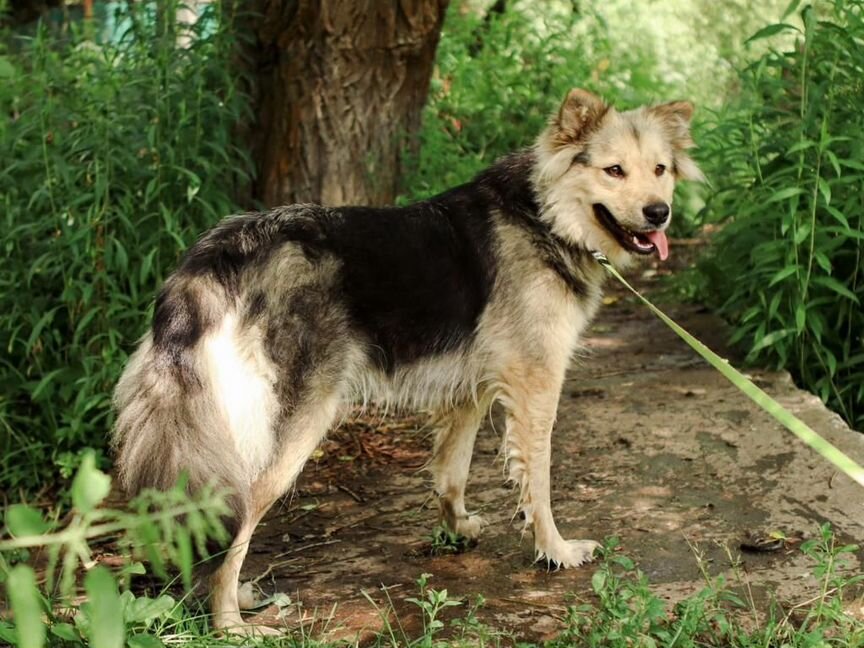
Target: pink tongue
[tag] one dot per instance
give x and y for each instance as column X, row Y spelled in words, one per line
column 660, row 242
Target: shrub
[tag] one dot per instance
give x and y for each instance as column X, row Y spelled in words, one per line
column 149, row 529
column 787, row 267
column 115, row 156
column 498, row 78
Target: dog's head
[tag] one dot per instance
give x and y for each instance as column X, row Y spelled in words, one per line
column 606, row 178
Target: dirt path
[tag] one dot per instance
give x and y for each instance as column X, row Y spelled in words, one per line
column 651, row 445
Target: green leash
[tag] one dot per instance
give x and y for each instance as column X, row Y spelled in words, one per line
column 795, row 425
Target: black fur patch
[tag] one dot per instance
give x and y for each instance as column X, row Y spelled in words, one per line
column 257, row 305
column 177, row 326
column 415, row 279
column 227, row 249
column 303, row 335
column 582, row 159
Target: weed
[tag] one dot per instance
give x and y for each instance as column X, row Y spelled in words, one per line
column 163, row 528
column 444, row 541
column 787, row 267
column 119, row 154
column 627, row 612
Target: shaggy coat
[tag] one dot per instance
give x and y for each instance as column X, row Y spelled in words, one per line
column 275, row 322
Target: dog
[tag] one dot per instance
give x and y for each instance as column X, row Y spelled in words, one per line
column 275, row 322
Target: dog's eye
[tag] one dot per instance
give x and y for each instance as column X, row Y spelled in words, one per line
column 615, row 171
column 659, row 170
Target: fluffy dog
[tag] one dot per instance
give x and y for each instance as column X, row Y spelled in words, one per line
column 275, row 322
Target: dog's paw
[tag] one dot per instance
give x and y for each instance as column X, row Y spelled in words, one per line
column 251, row 630
column 568, row 553
column 470, row 526
column 247, row 596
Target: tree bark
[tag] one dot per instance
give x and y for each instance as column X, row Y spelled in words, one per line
column 339, row 90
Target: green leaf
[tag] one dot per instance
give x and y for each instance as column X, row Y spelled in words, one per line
column 106, row 611
column 145, row 609
column 832, row 284
column 770, row 339
column 90, row 485
column 598, row 581
column 801, row 145
column 835, row 163
column 7, row 70
column 823, row 261
column 25, row 521
column 784, row 194
column 145, row 641
column 825, row 190
column 136, row 568
column 837, row 215
column 774, row 304
column 780, row 275
column 771, row 30
column 790, row 9
column 26, row 604
column 66, row 632
column 43, row 383
column 800, row 317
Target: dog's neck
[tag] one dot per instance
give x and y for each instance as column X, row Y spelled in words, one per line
column 509, row 182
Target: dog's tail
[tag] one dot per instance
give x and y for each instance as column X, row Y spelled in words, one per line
column 192, row 401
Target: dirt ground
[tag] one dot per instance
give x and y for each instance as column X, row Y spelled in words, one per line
column 652, row 445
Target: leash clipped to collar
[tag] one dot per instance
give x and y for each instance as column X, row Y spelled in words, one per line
column 792, row 423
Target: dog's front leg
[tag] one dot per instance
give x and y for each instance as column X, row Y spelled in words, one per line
column 532, row 403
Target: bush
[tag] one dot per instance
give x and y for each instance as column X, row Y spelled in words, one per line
column 498, row 77
column 787, row 267
column 118, row 155
column 150, row 529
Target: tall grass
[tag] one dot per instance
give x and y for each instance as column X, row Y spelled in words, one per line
column 116, row 155
column 788, row 157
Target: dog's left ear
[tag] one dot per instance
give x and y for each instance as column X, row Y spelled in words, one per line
column 675, row 118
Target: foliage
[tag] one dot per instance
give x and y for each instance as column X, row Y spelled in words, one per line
column 628, row 613
column 498, row 78
column 697, row 44
column 444, row 541
column 115, row 157
column 787, row 267
column 623, row 611
column 150, row 528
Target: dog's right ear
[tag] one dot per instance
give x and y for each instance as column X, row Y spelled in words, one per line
column 579, row 115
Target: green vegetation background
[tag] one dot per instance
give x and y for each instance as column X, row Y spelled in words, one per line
column 116, row 156
column 120, row 154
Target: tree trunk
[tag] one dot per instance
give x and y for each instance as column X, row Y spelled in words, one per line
column 340, row 87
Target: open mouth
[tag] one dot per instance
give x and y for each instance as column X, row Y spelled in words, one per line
column 636, row 242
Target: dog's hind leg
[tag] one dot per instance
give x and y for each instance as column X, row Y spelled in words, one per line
column 451, row 461
column 531, row 398
column 303, row 433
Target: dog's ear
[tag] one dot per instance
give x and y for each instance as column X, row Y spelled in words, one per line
column 675, row 118
column 579, row 115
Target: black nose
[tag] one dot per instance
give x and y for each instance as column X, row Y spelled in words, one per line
column 656, row 213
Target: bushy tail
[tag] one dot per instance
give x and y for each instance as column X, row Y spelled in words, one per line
column 168, row 423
